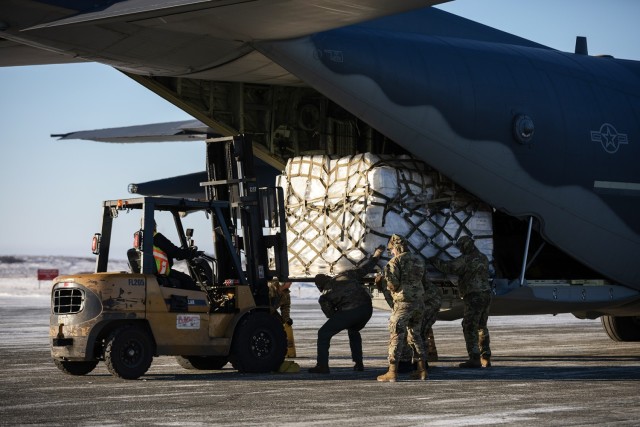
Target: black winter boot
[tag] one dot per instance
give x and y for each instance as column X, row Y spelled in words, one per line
column 319, row 369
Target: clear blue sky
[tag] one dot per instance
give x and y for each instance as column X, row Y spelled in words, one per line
column 51, row 190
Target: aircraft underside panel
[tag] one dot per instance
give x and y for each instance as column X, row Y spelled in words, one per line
column 543, row 297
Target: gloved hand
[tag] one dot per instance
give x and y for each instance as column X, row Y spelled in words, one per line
column 379, row 282
column 194, row 252
column 378, row 252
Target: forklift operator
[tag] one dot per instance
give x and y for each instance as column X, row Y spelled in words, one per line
column 164, row 251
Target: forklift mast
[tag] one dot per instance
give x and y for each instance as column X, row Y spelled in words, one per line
column 252, row 212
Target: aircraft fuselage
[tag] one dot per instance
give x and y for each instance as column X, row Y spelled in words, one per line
column 532, row 131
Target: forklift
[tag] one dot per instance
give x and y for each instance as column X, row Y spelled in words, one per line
column 125, row 318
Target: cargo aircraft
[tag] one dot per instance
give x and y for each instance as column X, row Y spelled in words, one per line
column 550, row 140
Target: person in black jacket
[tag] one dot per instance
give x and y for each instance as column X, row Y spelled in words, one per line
column 347, row 305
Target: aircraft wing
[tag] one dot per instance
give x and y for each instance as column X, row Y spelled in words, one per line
column 178, row 37
column 177, row 186
column 182, row 131
column 186, row 130
column 14, row 54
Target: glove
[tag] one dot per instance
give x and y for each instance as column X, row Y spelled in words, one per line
column 379, row 251
column 194, row 252
column 378, row 282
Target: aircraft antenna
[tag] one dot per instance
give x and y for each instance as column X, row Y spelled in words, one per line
column 581, row 46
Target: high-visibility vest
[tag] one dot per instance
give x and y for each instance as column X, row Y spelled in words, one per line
column 162, row 261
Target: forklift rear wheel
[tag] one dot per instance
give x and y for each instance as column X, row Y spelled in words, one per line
column 205, row 363
column 259, row 344
column 128, row 352
column 76, row 368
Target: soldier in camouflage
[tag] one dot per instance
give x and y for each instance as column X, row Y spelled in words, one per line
column 472, row 268
column 432, row 303
column 280, row 299
column 403, row 278
column 347, row 304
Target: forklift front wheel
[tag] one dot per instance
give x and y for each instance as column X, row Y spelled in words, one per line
column 76, row 368
column 259, row 344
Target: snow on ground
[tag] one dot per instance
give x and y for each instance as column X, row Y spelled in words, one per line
column 19, row 274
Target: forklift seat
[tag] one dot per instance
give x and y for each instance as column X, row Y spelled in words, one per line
column 133, row 255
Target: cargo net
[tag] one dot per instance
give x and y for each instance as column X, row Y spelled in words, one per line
column 340, row 209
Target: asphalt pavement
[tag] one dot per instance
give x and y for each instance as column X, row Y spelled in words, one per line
column 547, row 371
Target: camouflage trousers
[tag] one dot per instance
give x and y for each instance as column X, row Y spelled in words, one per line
column 405, row 327
column 474, row 323
column 431, row 309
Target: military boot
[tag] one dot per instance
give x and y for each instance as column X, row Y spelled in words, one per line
column 485, row 361
column 391, row 376
column 432, row 351
column 473, row 362
column 421, row 371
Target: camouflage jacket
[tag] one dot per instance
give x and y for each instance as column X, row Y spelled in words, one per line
column 472, row 270
column 432, row 294
column 346, row 291
column 280, row 300
column 403, row 275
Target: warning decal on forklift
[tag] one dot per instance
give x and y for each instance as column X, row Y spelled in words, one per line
column 188, row 321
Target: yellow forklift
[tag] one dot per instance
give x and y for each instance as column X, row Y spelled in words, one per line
column 125, row 318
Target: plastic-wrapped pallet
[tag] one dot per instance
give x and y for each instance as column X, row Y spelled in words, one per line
column 340, row 209
column 305, row 186
column 458, row 221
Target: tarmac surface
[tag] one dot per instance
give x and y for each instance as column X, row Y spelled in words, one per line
column 547, row 371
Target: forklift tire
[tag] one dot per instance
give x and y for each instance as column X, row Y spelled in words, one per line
column 259, row 344
column 128, row 352
column 76, row 368
column 204, row 363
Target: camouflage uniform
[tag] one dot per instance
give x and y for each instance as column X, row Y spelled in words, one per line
column 472, row 268
column 280, row 299
column 432, row 303
column 403, row 276
column 347, row 304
